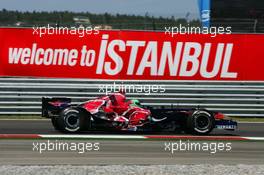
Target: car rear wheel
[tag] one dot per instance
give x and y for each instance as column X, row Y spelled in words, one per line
column 71, row 120
column 200, row 122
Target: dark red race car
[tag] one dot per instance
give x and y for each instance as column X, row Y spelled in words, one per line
column 110, row 113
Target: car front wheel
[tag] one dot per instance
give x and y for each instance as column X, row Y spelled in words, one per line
column 200, row 122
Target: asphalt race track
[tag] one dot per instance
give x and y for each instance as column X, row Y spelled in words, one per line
column 140, row 152
column 128, row 152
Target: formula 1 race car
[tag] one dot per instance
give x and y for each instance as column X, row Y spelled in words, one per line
column 95, row 115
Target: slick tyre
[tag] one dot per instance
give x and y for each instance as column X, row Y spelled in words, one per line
column 71, row 120
column 200, row 123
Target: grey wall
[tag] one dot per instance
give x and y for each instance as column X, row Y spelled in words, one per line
column 23, row 95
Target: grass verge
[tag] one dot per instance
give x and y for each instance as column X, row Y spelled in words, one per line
column 248, row 119
column 22, row 117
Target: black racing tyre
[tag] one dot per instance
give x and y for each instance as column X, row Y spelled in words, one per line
column 72, row 120
column 200, row 122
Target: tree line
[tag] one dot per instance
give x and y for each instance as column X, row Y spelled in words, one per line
column 66, row 18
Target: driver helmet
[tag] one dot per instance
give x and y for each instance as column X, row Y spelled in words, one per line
column 135, row 102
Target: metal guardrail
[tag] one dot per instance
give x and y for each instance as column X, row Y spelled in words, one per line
column 23, row 95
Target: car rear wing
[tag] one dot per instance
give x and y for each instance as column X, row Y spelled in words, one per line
column 52, row 106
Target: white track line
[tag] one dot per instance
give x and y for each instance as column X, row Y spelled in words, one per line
column 128, row 137
column 61, row 136
column 94, row 136
column 254, row 138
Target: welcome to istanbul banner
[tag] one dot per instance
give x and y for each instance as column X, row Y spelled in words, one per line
column 132, row 55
